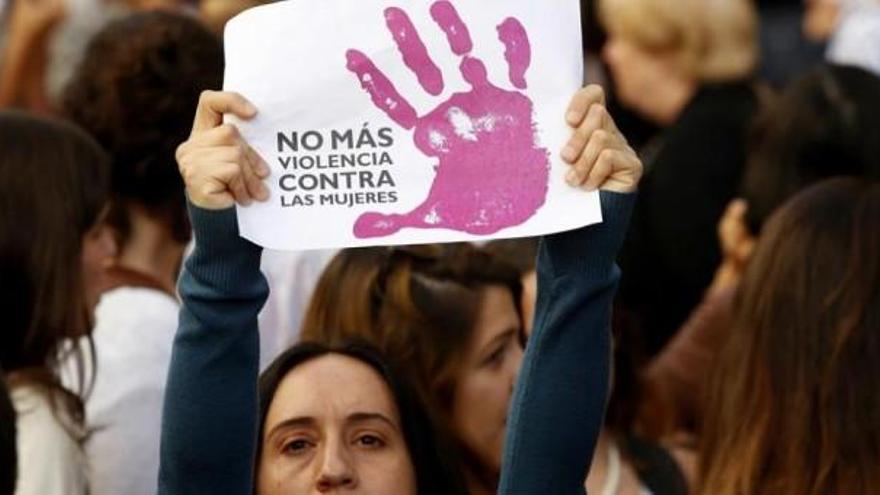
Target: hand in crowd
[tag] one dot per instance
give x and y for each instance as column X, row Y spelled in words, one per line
column 218, row 167
column 36, row 17
column 598, row 153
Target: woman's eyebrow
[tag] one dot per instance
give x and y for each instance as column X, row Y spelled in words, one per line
column 501, row 337
column 296, row 422
column 362, row 417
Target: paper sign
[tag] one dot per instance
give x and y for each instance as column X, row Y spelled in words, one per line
column 409, row 121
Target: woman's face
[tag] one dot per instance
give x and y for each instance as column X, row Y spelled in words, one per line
column 483, row 392
column 637, row 74
column 333, row 427
column 98, row 251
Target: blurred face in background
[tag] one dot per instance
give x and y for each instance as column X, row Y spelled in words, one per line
column 98, row 252
column 638, row 73
column 483, row 392
column 820, row 18
column 333, row 426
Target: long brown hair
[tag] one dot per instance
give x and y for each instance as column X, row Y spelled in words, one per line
column 793, row 405
column 53, row 187
column 419, row 306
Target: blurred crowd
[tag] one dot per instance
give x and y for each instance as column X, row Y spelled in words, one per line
column 735, row 351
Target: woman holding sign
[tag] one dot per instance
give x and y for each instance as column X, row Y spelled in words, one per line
column 210, row 418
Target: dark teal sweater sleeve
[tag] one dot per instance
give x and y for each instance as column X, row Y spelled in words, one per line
column 560, row 396
column 209, row 421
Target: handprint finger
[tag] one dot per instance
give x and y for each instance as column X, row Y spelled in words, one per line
column 518, row 50
column 381, row 90
column 415, row 55
column 474, row 72
column 445, row 15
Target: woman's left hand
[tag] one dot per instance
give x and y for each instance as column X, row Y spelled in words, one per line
column 598, row 153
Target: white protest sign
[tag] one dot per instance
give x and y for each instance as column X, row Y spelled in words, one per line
column 409, row 121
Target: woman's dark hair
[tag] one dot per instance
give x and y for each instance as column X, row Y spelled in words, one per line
column 793, row 404
column 419, row 306
column 53, row 188
column 8, row 453
column 521, row 253
column 825, row 124
column 135, row 91
column 434, row 475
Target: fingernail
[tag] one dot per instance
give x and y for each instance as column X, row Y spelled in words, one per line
column 251, row 109
column 573, row 118
column 569, row 153
column 571, row 177
column 263, row 193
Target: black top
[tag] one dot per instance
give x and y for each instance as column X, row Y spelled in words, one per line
column 672, row 249
column 656, row 468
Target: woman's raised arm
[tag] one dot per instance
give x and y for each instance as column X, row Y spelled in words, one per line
column 209, row 422
column 560, row 396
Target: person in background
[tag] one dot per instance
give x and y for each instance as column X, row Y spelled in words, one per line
column 792, row 404
column 54, row 183
column 28, row 27
column 686, row 65
column 521, row 254
column 624, row 462
column 134, row 92
column 823, row 125
column 8, row 454
column 786, row 52
column 851, row 29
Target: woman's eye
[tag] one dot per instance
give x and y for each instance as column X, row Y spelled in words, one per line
column 296, row 446
column 370, row 441
column 496, row 357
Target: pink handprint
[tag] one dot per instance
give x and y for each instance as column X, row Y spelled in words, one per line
column 492, row 173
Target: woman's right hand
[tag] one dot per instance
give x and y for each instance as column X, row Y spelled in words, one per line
column 218, row 166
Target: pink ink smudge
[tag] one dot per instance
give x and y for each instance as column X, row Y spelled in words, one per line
column 492, row 173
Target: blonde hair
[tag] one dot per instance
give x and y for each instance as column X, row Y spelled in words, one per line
column 710, row 40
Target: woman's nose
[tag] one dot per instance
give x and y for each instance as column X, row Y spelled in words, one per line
column 336, row 470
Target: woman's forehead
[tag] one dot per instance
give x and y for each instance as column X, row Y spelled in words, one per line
column 332, row 389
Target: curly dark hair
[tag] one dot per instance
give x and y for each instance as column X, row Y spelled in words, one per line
column 135, row 92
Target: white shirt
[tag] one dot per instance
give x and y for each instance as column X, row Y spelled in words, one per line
column 133, row 336
column 50, row 460
column 857, row 39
